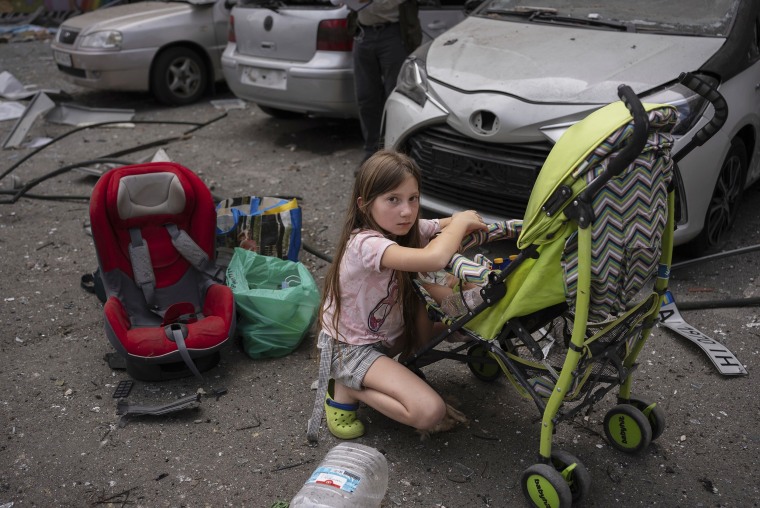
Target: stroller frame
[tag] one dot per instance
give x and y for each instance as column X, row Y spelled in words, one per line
column 601, row 355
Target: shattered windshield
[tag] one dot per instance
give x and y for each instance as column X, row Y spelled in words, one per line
column 684, row 17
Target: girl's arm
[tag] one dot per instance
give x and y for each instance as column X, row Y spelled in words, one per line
column 444, row 221
column 436, row 254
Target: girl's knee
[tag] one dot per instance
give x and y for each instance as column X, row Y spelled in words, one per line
column 430, row 414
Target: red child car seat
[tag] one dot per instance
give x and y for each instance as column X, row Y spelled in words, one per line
column 167, row 311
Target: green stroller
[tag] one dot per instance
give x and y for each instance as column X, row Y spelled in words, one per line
column 567, row 318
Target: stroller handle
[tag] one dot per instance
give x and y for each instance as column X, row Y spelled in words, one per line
column 640, row 130
column 628, row 154
column 720, row 114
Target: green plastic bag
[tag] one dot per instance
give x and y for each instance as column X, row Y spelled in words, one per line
column 276, row 299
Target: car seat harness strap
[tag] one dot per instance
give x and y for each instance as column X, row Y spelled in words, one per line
column 142, row 267
column 177, row 332
column 193, row 253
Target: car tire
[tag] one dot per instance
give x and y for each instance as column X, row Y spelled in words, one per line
column 179, row 76
column 280, row 113
column 725, row 202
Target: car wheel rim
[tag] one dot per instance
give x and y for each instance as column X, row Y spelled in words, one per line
column 184, row 77
column 723, row 206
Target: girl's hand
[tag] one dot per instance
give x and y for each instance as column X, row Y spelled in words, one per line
column 471, row 219
column 436, row 254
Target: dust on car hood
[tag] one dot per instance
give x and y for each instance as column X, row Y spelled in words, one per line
column 559, row 64
column 121, row 16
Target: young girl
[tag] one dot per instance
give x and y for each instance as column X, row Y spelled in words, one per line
column 370, row 312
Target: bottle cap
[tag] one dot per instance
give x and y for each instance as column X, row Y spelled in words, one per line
column 513, row 257
column 498, row 261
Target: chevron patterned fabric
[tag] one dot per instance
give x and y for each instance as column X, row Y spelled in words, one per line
column 631, row 212
column 506, row 229
column 473, row 270
column 476, row 270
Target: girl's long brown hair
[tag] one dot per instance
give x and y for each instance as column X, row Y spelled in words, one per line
column 381, row 173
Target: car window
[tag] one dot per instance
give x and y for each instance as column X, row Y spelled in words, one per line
column 713, row 18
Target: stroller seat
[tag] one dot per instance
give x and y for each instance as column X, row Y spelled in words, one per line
column 565, row 321
column 167, row 311
column 626, row 237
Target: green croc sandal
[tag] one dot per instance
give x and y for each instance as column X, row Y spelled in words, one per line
column 341, row 418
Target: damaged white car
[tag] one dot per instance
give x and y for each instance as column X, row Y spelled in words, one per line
column 480, row 107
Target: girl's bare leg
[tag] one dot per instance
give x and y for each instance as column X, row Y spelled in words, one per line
column 395, row 391
column 438, row 292
column 398, row 393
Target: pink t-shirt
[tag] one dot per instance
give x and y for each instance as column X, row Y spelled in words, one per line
column 369, row 293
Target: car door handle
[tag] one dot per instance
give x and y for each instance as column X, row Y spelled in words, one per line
column 267, row 45
column 436, row 25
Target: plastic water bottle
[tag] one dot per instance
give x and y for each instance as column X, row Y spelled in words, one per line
column 351, row 475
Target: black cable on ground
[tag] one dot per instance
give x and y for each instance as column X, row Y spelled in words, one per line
column 719, row 304
column 17, row 193
column 164, row 141
column 311, row 250
column 106, row 158
column 712, row 257
column 34, row 152
column 50, row 197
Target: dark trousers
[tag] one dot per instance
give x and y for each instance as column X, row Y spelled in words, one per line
column 378, row 55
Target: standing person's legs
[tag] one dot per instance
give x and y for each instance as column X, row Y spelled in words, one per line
column 391, row 54
column 368, row 83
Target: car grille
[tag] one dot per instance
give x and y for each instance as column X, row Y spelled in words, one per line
column 493, row 178
column 67, row 35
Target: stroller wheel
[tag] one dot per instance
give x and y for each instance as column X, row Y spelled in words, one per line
column 544, row 486
column 627, row 428
column 654, row 414
column 577, row 477
column 482, row 366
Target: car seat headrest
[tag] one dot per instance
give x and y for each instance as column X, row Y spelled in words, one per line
column 150, row 194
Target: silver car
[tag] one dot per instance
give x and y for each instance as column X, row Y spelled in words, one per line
column 293, row 57
column 482, row 105
column 171, row 49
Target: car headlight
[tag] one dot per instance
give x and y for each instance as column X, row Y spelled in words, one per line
column 108, row 39
column 689, row 104
column 412, row 80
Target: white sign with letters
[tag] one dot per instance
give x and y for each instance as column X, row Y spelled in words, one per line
column 721, row 357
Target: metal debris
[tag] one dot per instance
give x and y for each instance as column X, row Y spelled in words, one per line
column 39, row 105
